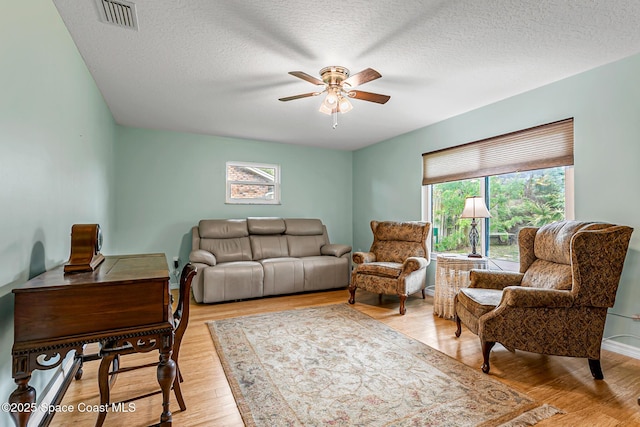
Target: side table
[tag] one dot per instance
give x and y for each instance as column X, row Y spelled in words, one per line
column 452, row 273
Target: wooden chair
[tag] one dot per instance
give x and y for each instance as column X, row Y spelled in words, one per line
column 110, row 355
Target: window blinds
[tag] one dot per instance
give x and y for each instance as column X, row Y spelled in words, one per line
column 539, row 147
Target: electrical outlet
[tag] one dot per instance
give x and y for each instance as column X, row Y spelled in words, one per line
column 176, row 262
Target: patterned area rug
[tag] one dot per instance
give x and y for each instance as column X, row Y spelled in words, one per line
column 335, row 366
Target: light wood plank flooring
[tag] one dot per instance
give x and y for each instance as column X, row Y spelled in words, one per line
column 563, row 382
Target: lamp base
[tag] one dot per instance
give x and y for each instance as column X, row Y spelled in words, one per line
column 474, row 256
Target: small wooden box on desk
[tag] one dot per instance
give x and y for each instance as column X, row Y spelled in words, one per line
column 452, row 273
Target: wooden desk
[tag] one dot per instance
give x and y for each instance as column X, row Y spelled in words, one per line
column 126, row 299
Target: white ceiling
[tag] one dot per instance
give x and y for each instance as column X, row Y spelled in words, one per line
column 218, row 67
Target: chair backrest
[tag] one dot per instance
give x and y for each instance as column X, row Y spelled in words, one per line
column 181, row 313
column 397, row 241
column 555, row 256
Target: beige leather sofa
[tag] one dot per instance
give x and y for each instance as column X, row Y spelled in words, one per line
column 255, row 257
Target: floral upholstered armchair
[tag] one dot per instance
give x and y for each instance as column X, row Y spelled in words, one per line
column 397, row 262
column 557, row 303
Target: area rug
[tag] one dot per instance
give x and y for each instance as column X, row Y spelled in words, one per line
column 335, row 366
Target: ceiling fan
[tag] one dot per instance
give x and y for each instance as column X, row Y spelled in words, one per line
column 338, row 85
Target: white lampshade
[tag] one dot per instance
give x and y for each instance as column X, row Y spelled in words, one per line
column 474, row 207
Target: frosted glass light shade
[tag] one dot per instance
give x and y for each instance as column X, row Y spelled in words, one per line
column 344, row 106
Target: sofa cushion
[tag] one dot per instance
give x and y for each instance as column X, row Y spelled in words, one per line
column 385, row 269
column 266, row 225
column 223, row 228
column 228, row 250
column 282, row 275
column 303, row 226
column 232, row 280
column 300, row 246
column 325, row 272
column 269, row 246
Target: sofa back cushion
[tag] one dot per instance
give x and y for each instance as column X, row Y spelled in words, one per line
column 274, row 246
column 227, row 239
column 305, row 236
column 397, row 241
column 267, row 240
column 265, row 225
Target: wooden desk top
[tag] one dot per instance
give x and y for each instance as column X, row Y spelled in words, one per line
column 121, row 268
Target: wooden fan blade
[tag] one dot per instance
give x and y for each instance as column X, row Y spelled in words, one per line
column 368, row 96
column 362, row 77
column 307, row 77
column 304, row 95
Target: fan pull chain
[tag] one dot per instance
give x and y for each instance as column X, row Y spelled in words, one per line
column 334, row 114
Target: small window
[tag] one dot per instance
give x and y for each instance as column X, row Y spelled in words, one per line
column 253, row 183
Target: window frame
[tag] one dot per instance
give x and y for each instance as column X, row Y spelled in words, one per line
column 253, row 201
column 483, row 244
column 552, row 145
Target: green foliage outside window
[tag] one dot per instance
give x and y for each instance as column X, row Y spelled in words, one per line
column 531, row 198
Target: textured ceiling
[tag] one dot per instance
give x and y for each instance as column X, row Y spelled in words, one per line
column 218, row 67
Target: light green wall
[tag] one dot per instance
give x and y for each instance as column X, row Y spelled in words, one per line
column 56, row 161
column 166, row 182
column 63, row 161
column 605, row 104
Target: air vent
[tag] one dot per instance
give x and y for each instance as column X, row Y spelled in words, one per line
column 120, row 13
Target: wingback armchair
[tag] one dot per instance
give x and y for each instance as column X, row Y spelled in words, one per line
column 397, row 262
column 557, row 303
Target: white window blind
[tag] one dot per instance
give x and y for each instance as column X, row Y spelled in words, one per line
column 539, row 147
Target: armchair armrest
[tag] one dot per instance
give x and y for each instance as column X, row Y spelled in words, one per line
column 335, row 249
column 492, row 279
column 414, row 263
column 363, row 257
column 520, row 296
column 202, row 257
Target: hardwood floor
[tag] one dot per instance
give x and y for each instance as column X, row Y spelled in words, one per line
column 563, row 382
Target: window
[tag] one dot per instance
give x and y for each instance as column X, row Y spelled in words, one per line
column 253, row 183
column 525, row 177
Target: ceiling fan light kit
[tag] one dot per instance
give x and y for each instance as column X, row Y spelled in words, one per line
column 337, row 85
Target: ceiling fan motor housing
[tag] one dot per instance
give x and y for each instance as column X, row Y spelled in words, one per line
column 334, row 75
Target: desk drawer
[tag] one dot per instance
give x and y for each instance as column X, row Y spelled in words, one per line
column 75, row 310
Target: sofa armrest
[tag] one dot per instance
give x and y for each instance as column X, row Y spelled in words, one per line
column 492, row 279
column 202, row 257
column 414, row 263
column 520, row 296
column 363, row 257
column 335, row 249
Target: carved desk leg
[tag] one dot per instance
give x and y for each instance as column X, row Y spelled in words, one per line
column 166, row 375
column 104, row 385
column 24, row 398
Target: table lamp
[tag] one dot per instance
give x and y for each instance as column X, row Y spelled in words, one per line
column 474, row 207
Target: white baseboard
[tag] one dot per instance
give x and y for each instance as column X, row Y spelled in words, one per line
column 624, row 349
